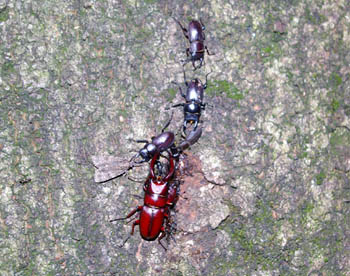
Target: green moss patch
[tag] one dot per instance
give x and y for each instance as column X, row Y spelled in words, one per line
column 217, row 87
column 4, row 15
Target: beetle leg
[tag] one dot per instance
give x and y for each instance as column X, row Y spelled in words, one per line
column 164, row 229
column 200, row 20
column 138, row 162
column 141, row 141
column 137, row 196
column 134, row 157
column 172, row 229
column 206, row 81
column 201, row 63
column 138, row 141
column 185, row 61
column 138, row 209
column 136, row 222
column 180, row 104
column 209, row 54
column 172, row 236
column 174, row 201
column 186, row 82
column 194, row 65
column 188, row 57
column 124, row 242
column 184, row 30
column 182, row 94
column 161, row 236
column 168, row 122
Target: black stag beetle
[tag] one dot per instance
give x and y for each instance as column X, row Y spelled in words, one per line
column 110, row 167
column 158, row 144
column 196, row 37
column 165, row 142
column 194, row 101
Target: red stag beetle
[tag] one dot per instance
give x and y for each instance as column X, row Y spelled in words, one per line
column 160, row 195
column 194, row 101
column 196, row 37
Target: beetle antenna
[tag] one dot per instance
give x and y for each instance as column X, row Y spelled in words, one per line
column 132, row 160
column 168, row 123
column 200, row 20
column 112, row 220
column 124, row 242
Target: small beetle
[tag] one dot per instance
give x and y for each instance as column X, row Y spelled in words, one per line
column 194, row 101
column 160, row 143
column 196, row 37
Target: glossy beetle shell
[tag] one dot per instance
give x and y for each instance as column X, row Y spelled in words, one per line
column 192, row 108
column 151, row 222
column 195, row 31
column 156, row 202
column 164, row 140
column 197, row 49
column 195, row 91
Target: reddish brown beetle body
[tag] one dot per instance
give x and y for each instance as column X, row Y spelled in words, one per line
column 160, row 195
column 195, row 31
column 196, row 37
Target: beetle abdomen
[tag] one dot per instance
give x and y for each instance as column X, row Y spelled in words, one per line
column 151, row 222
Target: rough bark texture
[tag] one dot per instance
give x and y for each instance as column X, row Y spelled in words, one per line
column 267, row 189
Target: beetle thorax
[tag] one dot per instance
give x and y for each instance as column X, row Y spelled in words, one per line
column 151, row 148
column 192, row 107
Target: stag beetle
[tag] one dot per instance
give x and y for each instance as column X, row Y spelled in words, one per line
column 194, row 101
column 160, row 196
column 160, row 143
column 166, row 140
column 196, row 37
